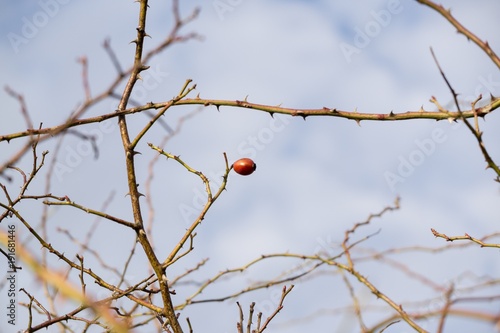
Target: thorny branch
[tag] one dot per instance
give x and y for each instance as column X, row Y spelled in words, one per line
column 485, row 46
column 294, row 112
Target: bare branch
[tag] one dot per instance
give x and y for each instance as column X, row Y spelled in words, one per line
column 465, row 237
column 461, row 29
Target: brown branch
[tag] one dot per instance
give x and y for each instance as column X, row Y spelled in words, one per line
column 465, row 237
column 211, row 198
column 128, row 147
column 154, row 160
column 379, row 254
column 91, row 211
column 446, row 309
column 345, row 245
column 356, row 305
column 304, row 113
column 284, row 293
column 22, row 103
column 114, row 59
column 461, row 29
column 85, row 77
column 397, row 307
column 474, row 130
column 239, row 324
column 351, row 115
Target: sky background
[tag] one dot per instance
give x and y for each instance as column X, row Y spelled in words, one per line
column 315, row 178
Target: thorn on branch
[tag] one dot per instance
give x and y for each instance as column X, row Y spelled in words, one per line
column 299, row 113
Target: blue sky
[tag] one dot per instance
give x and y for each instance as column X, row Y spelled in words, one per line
column 315, row 178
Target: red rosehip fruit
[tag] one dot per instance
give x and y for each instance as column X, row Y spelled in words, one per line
column 244, row 166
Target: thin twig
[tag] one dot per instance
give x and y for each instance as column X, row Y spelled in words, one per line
column 465, row 237
column 85, row 77
column 284, row 293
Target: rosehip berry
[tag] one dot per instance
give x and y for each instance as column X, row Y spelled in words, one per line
column 244, row 166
